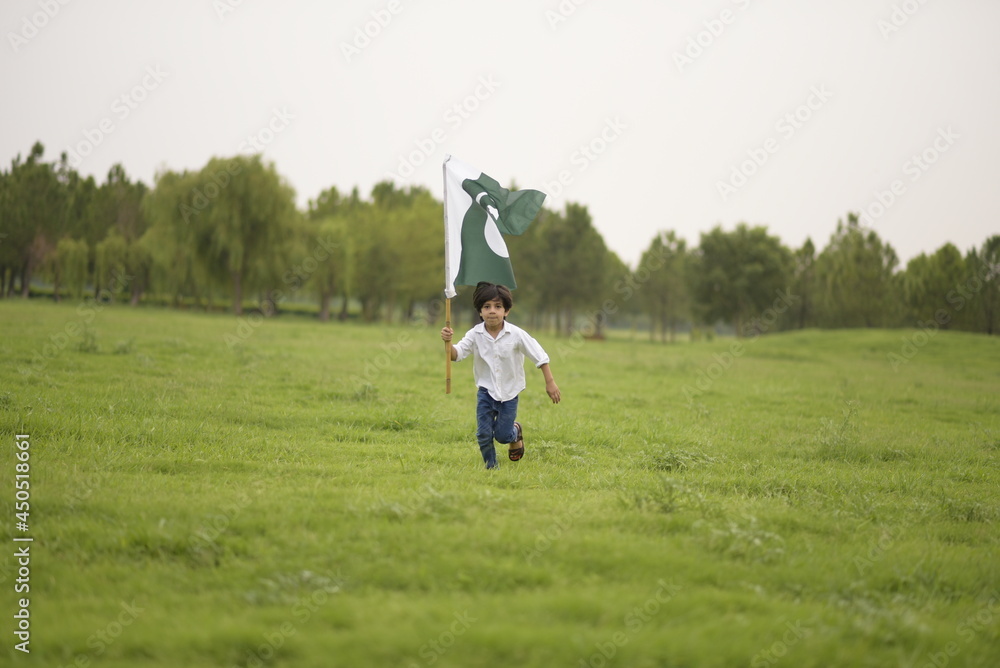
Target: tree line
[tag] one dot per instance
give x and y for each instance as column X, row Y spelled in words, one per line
column 231, row 233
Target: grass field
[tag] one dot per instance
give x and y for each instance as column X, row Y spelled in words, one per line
column 310, row 497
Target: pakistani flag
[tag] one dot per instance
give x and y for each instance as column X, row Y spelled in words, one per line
column 478, row 211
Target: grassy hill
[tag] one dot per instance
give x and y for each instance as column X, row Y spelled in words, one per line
column 309, row 496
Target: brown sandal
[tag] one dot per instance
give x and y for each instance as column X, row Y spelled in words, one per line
column 518, row 452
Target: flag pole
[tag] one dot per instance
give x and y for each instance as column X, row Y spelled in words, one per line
column 447, row 301
column 447, row 347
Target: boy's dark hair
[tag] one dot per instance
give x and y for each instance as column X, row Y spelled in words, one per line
column 487, row 292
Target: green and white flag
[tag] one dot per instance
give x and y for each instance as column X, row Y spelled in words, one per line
column 478, row 211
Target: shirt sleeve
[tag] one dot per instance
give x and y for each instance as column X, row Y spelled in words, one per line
column 533, row 350
column 464, row 346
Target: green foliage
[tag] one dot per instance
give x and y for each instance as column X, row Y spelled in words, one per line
column 33, row 214
column 952, row 292
column 563, row 266
column 398, row 250
column 854, row 276
column 112, row 259
column 804, row 281
column 68, row 266
column 662, row 280
column 170, row 241
column 985, row 265
column 739, row 274
column 224, row 225
column 230, row 232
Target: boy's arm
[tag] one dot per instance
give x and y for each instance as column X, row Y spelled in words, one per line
column 446, row 335
column 550, row 384
column 530, row 347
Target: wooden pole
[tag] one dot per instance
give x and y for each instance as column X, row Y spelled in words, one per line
column 447, row 347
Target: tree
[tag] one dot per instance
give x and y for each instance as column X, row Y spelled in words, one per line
column 804, row 277
column 170, row 239
column 740, row 274
column 854, row 274
column 68, row 267
column 8, row 257
column 332, row 274
column 111, row 256
column 376, row 254
column 530, row 257
column 117, row 213
column 234, row 217
column 662, row 283
column 983, row 282
column 328, row 230
column 928, row 280
column 34, row 215
column 574, row 264
column 611, row 303
column 396, row 250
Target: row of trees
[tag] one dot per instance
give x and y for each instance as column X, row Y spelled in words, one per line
column 749, row 281
column 231, row 232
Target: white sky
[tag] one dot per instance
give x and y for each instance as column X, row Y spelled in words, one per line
column 229, row 69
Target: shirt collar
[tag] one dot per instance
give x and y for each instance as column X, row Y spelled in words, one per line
column 503, row 330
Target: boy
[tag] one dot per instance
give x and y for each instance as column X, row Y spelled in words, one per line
column 499, row 349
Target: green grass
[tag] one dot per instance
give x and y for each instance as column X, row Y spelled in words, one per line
column 310, row 497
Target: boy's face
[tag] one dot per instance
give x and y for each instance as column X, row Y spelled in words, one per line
column 493, row 313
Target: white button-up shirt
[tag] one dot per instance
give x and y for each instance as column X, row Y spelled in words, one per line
column 498, row 364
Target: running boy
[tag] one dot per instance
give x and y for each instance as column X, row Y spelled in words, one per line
column 498, row 350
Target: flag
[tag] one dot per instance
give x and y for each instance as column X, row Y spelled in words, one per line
column 478, row 211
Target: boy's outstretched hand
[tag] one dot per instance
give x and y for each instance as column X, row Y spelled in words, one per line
column 446, row 334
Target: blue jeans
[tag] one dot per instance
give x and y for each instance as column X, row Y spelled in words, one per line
column 495, row 420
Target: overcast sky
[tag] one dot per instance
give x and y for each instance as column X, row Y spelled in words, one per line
column 656, row 115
